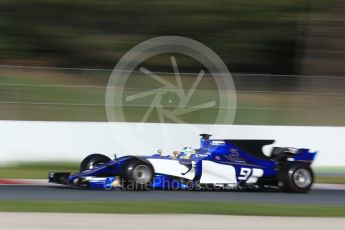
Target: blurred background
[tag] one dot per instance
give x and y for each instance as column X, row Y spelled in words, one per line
column 286, row 56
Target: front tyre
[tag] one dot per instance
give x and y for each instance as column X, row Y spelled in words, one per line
column 295, row 177
column 93, row 161
column 138, row 175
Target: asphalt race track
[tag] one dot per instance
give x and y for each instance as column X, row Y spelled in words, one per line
column 28, row 192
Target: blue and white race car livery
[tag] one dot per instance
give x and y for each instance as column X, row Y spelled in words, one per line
column 217, row 164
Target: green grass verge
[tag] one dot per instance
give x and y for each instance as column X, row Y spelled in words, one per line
column 330, row 179
column 218, row 208
column 36, row 170
column 40, row 171
column 330, row 169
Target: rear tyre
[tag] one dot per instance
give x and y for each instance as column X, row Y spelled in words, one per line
column 138, row 175
column 93, row 161
column 295, row 177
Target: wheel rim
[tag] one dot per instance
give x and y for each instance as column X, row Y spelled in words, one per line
column 142, row 174
column 302, row 178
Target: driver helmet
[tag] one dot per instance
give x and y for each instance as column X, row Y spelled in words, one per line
column 187, row 152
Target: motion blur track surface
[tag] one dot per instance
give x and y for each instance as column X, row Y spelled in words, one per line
column 56, row 193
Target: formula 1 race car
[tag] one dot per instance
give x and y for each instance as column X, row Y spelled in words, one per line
column 217, row 164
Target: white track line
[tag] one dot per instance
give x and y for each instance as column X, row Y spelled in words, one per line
column 54, row 221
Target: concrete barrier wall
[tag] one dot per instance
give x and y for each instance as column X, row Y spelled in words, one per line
column 72, row 141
